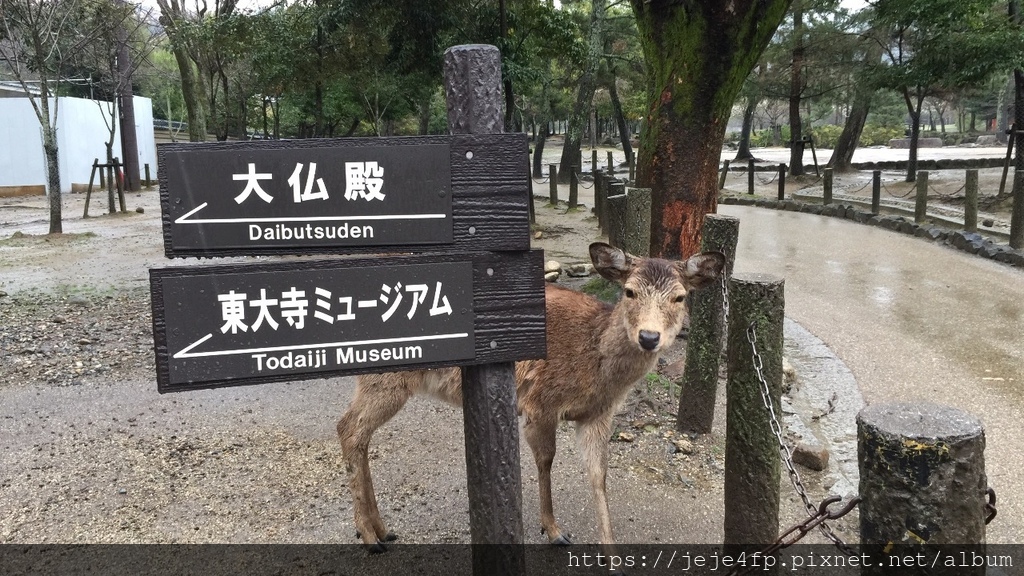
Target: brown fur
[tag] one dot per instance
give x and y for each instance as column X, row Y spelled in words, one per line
column 596, row 353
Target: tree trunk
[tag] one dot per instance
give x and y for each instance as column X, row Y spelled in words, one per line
column 52, row 172
column 620, row 119
column 796, row 87
column 914, row 103
column 538, row 151
column 842, row 156
column 698, row 54
column 585, row 94
column 743, row 151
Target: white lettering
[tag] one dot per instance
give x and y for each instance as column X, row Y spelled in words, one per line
column 309, row 232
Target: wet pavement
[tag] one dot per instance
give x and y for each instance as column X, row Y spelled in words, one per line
column 911, row 320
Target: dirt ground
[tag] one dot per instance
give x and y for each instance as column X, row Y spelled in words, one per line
column 92, row 454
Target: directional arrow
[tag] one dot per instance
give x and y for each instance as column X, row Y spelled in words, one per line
column 185, row 218
column 186, row 352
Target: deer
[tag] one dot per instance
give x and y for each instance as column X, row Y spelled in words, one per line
column 596, row 352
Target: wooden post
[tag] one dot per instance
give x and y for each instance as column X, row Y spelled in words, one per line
column 616, row 209
column 88, row 190
column 782, row 181
column 149, row 182
column 593, row 161
column 529, row 186
column 722, row 176
column 574, row 188
column 922, row 480
column 611, row 164
column 876, row 191
column 699, row 385
column 750, row 176
column 826, row 191
column 814, row 155
column 637, row 239
column 494, row 485
column 553, row 184
column 1017, row 215
column 971, row 201
column 110, row 188
column 1010, row 139
column 600, row 193
column 632, row 171
column 921, row 202
column 752, row 460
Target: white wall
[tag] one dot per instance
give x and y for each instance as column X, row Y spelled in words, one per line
column 81, row 138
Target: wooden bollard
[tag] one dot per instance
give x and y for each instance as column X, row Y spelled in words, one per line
column 782, row 181
column 574, row 188
column 632, row 170
column 826, row 191
column 876, row 191
column 553, row 184
column 971, row 200
column 600, row 193
column 922, row 480
column 593, row 161
column 699, row 386
column 752, row 461
column 149, row 182
column 616, row 210
column 637, row 239
column 921, row 201
column 611, row 163
column 1017, row 215
column 725, row 172
column 750, row 176
column 473, row 87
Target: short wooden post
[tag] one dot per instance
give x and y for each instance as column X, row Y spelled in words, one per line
column 699, row 385
column 574, row 188
column 600, row 193
column 722, row 176
column 103, row 176
column 593, row 161
column 638, row 222
column 632, row 171
column 971, row 200
column 110, row 188
column 876, row 191
column 752, row 460
column 616, row 210
column 1010, row 142
column 782, row 181
column 611, row 163
column 826, row 191
column 1017, row 215
column 921, row 202
column 149, row 182
column 922, row 480
column 750, row 176
column 494, row 485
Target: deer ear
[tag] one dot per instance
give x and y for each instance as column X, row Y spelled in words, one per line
column 701, row 269
column 611, row 262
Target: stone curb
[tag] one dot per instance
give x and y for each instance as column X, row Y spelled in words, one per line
column 969, row 242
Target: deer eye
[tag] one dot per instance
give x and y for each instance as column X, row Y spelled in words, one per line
column 630, row 293
column 680, row 298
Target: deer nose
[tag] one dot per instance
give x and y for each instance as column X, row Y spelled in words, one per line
column 649, row 340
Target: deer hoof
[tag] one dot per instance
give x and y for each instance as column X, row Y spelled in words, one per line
column 390, row 537
column 377, row 548
column 562, row 540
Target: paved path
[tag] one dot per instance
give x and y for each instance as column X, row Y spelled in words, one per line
column 912, row 320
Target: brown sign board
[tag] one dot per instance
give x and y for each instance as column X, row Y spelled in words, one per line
column 347, row 195
column 229, row 325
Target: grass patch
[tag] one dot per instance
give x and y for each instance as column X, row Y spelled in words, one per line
column 604, row 290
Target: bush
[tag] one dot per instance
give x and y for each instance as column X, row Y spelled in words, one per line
column 875, row 135
column 826, row 136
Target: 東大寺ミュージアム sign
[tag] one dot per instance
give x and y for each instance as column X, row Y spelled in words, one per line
column 361, row 194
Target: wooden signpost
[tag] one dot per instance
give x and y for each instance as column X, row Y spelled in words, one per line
column 436, row 270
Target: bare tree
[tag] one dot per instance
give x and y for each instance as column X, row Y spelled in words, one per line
column 38, row 40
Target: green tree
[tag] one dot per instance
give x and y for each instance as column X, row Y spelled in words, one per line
column 698, row 54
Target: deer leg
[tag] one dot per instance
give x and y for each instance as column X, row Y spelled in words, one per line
column 374, row 403
column 592, row 437
column 540, row 435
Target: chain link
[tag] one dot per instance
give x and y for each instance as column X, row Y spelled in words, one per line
column 787, row 456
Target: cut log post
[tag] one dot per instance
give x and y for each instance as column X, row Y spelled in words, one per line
column 921, row 201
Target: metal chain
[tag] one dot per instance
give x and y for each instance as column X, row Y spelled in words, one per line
column 787, row 454
column 579, row 182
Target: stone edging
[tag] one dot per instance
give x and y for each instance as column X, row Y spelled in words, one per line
column 969, row 242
